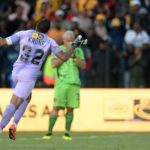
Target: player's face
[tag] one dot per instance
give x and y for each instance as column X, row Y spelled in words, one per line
column 68, row 40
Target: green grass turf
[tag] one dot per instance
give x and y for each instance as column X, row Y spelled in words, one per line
column 81, row 141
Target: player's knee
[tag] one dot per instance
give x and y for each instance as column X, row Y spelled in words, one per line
column 16, row 101
column 55, row 111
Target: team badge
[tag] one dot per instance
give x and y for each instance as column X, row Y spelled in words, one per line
column 35, row 35
column 40, row 36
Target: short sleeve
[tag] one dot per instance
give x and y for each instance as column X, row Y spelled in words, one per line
column 54, row 47
column 14, row 38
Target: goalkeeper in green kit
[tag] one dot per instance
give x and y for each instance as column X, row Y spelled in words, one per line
column 67, row 85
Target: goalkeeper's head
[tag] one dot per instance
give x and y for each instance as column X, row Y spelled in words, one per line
column 68, row 37
column 43, row 25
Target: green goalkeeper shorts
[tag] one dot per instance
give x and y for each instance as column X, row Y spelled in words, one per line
column 66, row 95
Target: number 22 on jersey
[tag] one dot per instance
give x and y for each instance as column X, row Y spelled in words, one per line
column 26, row 55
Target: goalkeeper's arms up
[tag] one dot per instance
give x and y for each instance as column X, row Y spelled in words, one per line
column 77, row 42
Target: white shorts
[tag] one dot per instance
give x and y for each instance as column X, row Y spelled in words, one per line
column 25, row 82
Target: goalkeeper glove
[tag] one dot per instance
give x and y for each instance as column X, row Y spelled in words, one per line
column 78, row 42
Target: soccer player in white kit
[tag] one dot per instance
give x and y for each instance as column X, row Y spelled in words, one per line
column 35, row 45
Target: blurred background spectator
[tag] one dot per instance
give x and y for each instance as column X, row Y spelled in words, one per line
column 118, row 32
column 137, row 69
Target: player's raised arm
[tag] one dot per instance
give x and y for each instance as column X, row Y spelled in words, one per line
column 65, row 55
column 56, row 62
column 11, row 39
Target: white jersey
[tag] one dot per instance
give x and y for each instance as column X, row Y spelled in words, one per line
column 34, row 47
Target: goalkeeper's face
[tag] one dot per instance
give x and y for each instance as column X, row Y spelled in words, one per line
column 68, row 40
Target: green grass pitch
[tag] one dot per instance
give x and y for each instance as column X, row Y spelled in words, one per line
column 81, row 141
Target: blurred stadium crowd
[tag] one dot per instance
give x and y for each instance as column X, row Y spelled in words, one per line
column 118, row 32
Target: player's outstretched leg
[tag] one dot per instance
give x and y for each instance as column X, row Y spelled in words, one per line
column 20, row 111
column 9, row 112
column 17, row 116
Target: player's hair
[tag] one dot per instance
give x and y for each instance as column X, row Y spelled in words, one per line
column 43, row 25
column 68, row 33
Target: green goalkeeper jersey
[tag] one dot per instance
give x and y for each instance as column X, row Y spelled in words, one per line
column 68, row 71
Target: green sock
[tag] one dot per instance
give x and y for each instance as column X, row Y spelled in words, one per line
column 69, row 119
column 52, row 121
